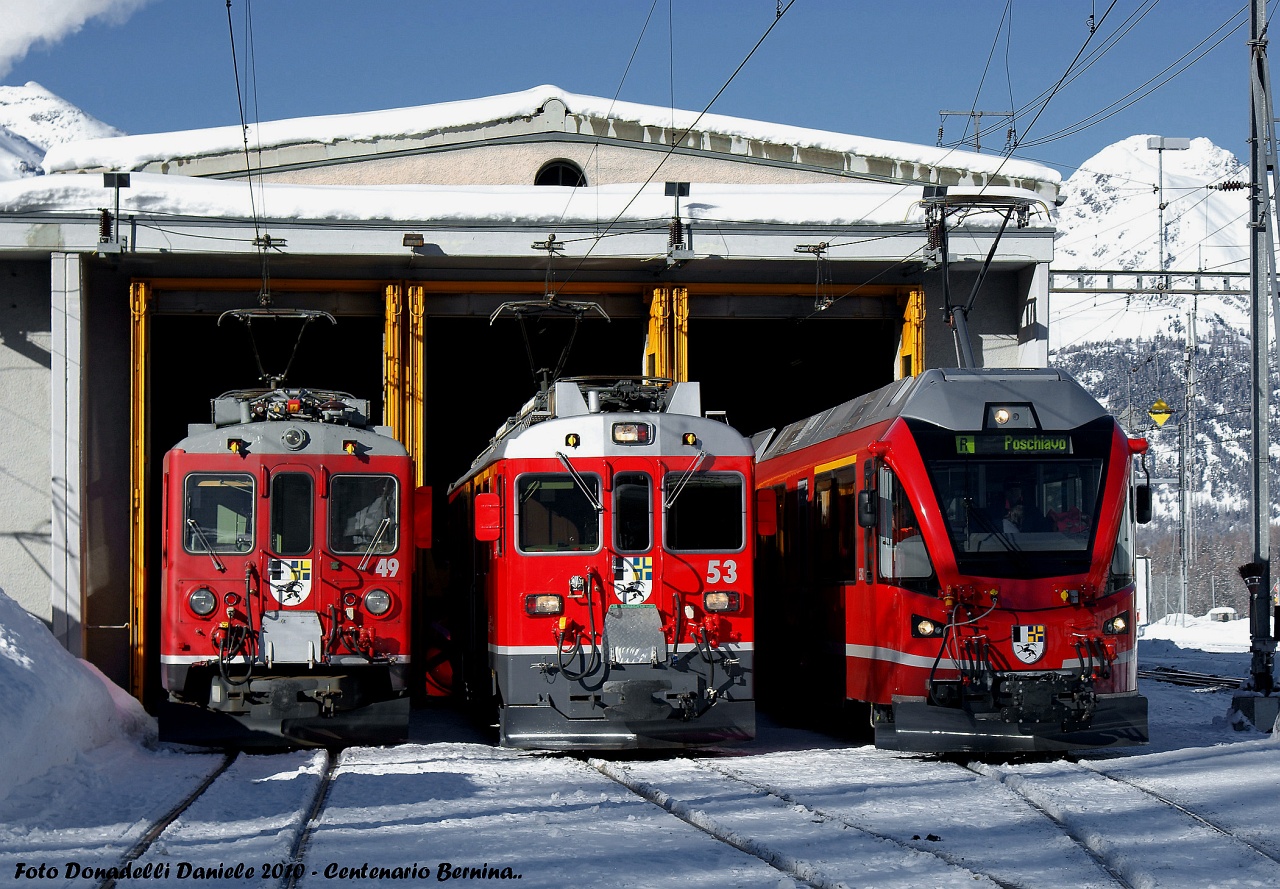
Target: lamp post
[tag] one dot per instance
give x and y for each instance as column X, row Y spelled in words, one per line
column 1161, row 144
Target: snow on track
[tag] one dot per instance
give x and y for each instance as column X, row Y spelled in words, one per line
column 1112, row 818
column 466, row 806
column 88, row 814
column 248, row 818
column 793, row 838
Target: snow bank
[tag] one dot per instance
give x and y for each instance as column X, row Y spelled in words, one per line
column 55, row 706
column 1202, row 633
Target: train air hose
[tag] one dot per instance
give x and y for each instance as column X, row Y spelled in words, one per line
column 948, row 635
column 239, row 639
column 575, row 650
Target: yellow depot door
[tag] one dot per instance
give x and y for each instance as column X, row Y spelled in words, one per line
column 139, row 375
column 666, row 350
column 404, row 377
column 911, row 345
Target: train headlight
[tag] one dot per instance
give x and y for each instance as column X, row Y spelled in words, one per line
column 632, row 433
column 377, row 601
column 1117, row 626
column 202, row 601
column 722, row 601
column 294, row 439
column 544, row 603
column 925, row 627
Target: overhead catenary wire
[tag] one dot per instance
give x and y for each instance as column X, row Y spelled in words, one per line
column 678, row 139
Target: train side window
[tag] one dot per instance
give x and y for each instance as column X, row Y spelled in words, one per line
column 836, row 508
column 632, row 512
column 362, row 514
column 707, row 514
column 292, row 508
column 218, row 512
column 902, row 553
column 554, row 515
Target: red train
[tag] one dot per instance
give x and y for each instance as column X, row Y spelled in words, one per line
column 604, row 567
column 288, row 558
column 954, row 553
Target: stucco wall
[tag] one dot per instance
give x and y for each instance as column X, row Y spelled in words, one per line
column 519, row 164
column 25, row 520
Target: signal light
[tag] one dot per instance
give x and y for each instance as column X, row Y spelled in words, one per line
column 689, row 438
column 572, row 440
column 543, row 603
column 722, row 601
column 237, row 445
column 349, row 446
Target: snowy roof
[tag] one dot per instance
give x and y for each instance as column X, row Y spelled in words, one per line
column 551, row 109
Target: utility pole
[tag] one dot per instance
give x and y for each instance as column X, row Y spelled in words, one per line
column 1161, row 144
column 1186, row 435
column 1261, row 711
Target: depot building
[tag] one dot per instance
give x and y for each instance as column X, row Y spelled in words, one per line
column 786, row 269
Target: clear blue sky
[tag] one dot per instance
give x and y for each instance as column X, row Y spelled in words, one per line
column 884, row 69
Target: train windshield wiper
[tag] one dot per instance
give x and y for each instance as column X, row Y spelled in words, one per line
column 990, row 526
column 684, row 480
column 581, row 483
column 208, row 547
column 377, row 538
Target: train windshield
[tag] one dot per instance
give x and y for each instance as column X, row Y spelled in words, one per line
column 362, row 514
column 705, row 513
column 554, row 514
column 218, row 513
column 1022, row 506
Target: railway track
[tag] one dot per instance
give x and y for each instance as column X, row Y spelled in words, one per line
column 162, row 824
column 1175, row 676
column 1072, row 794
column 194, row 822
column 731, row 825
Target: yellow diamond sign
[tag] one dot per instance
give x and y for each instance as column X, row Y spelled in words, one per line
column 1160, row 412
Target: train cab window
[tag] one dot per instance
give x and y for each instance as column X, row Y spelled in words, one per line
column 632, row 512
column 902, row 553
column 362, row 514
column 218, row 513
column 553, row 514
column 292, row 510
column 705, row 513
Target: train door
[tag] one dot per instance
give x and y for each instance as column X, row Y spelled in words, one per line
column 288, row 567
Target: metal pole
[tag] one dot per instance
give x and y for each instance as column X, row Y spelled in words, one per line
column 1262, row 642
column 1164, row 280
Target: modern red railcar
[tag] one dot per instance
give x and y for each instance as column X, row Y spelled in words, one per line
column 288, row 560
column 603, row 571
column 955, row 550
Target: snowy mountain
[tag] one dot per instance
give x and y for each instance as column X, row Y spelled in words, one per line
column 1110, row 221
column 32, row 120
column 1130, row 349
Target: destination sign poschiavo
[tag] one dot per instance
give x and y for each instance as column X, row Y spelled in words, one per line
column 1035, row 443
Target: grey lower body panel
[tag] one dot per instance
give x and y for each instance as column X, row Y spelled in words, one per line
column 920, row 727
column 685, row 701
column 365, row 706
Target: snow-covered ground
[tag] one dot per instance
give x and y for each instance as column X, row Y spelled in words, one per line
column 82, row 780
